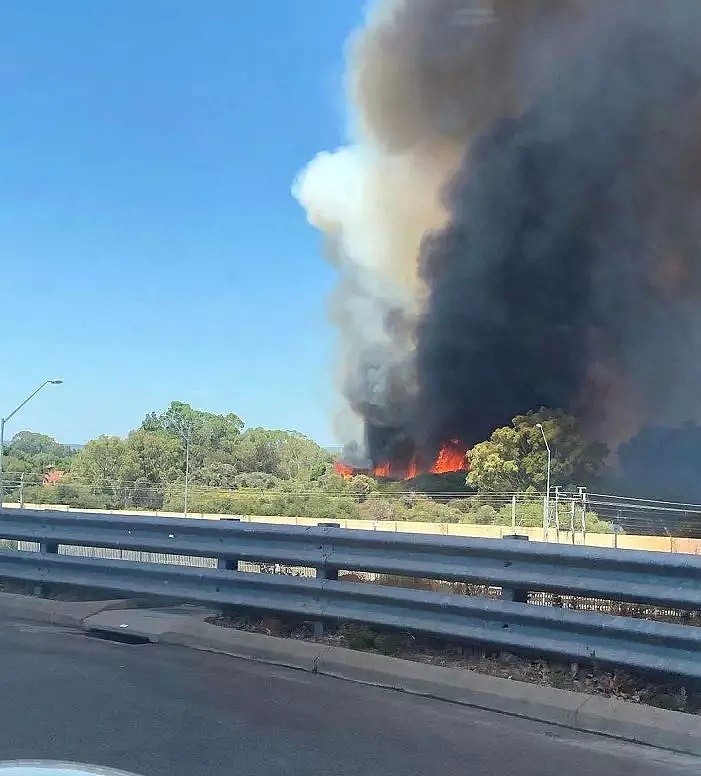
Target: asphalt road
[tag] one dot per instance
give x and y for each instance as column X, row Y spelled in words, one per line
column 158, row 710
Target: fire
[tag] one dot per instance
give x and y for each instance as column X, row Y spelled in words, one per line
column 383, row 470
column 341, row 468
column 452, row 458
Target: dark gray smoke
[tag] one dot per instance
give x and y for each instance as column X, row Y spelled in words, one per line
column 560, row 264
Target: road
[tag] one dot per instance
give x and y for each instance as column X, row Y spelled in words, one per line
column 158, row 710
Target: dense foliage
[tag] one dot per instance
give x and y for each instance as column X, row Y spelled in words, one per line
column 515, row 457
column 235, row 470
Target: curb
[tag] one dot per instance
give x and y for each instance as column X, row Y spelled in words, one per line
column 65, row 613
column 185, row 627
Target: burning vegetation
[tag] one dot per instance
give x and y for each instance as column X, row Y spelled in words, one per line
column 451, row 458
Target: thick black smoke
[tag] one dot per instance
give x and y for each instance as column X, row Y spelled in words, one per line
column 560, row 267
column 568, row 275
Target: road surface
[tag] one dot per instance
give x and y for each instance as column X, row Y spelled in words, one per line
column 169, row 711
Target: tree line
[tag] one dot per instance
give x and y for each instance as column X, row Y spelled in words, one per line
column 238, row 470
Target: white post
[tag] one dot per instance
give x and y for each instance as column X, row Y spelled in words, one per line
column 513, row 512
column 546, row 500
column 2, row 450
column 572, row 520
column 187, row 472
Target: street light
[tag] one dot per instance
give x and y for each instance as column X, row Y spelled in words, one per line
column 2, row 429
column 546, row 503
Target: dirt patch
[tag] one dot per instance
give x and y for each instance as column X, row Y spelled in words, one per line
column 628, row 686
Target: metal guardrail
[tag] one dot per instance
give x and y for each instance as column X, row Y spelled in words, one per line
column 517, row 567
column 636, row 576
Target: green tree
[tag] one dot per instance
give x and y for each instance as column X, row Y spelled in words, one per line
column 35, row 454
column 298, row 457
column 29, row 445
column 98, row 467
column 151, row 460
column 212, row 439
column 515, row 458
column 288, row 455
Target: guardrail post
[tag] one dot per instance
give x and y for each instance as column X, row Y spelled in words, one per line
column 516, row 594
column 325, row 573
column 46, row 548
column 229, row 564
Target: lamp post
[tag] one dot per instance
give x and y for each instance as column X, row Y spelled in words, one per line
column 2, row 429
column 187, row 471
column 546, row 503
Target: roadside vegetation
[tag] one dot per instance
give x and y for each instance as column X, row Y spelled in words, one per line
column 258, row 471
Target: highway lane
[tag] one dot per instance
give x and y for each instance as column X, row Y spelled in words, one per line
column 159, row 710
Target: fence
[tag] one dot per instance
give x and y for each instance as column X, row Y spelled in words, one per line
column 516, row 567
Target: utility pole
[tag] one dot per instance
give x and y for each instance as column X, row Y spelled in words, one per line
column 187, row 471
column 583, row 496
column 572, row 520
column 546, row 501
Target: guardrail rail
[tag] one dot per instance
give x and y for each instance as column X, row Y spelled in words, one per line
column 517, row 567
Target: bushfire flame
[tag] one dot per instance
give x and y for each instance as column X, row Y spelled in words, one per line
column 341, row 468
column 451, row 458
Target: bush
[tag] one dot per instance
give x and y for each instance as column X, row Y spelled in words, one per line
column 484, row 515
column 249, row 502
column 70, row 495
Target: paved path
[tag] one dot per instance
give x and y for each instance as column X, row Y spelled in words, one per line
column 169, row 711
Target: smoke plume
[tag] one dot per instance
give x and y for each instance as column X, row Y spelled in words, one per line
column 517, row 221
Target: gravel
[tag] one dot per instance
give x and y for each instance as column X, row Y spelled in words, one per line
column 628, row 686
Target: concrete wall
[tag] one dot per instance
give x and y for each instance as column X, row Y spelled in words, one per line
column 625, row 541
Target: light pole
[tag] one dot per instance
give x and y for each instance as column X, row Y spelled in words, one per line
column 187, row 471
column 546, row 503
column 2, row 429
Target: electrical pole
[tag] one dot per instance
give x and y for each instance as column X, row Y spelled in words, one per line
column 546, row 501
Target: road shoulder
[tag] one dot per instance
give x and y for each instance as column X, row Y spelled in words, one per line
column 185, row 626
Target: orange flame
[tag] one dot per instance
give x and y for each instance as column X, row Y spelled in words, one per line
column 383, row 470
column 341, row 468
column 452, row 458
column 412, row 471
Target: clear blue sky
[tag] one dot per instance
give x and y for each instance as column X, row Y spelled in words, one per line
column 149, row 245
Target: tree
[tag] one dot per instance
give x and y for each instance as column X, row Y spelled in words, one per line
column 98, row 466
column 515, row 458
column 29, row 445
column 255, row 452
column 35, row 454
column 211, row 438
column 151, row 460
column 298, row 457
column 288, row 455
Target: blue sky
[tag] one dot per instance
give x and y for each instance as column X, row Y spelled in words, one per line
column 149, row 245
